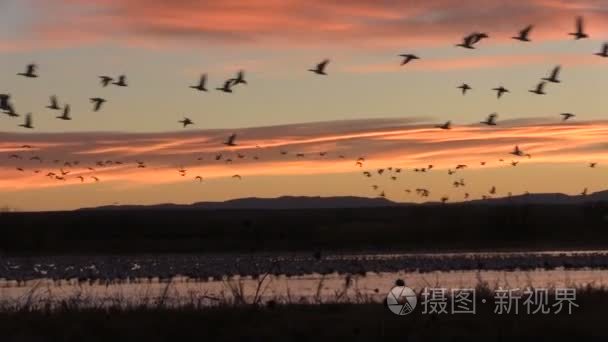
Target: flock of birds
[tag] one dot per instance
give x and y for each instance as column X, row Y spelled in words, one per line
column 468, row 42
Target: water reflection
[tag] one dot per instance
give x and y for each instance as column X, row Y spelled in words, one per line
column 313, row 288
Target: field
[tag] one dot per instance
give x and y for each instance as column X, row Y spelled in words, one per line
column 412, row 228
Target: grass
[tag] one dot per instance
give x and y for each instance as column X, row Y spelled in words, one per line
column 240, row 320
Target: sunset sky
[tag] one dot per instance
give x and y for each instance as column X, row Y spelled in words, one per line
column 368, row 106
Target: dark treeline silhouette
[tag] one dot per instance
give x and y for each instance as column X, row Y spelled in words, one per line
column 406, row 228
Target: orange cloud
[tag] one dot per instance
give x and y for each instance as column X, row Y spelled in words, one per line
column 354, row 23
column 274, row 150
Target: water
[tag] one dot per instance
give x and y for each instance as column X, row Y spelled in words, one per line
column 313, row 288
column 218, row 266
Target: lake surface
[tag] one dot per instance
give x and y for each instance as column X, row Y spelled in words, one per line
column 312, row 288
column 217, row 266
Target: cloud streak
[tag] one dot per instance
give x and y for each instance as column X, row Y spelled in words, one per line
column 274, row 150
column 305, row 22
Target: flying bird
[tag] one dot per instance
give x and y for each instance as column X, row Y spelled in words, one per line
column 604, row 52
column 122, row 81
column 105, row 80
column 517, row 152
column 566, row 116
column 54, row 104
column 408, row 57
column 97, row 101
column 231, row 139
column 464, row 87
column 186, row 122
column 199, row 178
column 66, row 113
column 554, row 75
column 490, row 120
column 446, row 125
column 500, row 90
column 539, row 90
column 10, row 111
column 592, row 165
column 524, row 35
column 227, row 88
column 30, row 71
column 237, row 177
column 580, row 30
column 239, row 79
column 201, row 86
column 320, row 69
column 468, row 41
column 28, row 121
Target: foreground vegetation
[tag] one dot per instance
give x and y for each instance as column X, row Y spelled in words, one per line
column 298, row 322
column 410, row 228
column 239, row 319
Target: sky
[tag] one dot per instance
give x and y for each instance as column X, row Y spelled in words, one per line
column 367, row 106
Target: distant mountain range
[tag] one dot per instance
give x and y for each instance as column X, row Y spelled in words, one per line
column 295, row 202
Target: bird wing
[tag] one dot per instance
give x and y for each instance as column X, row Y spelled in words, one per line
column 203, row 80
column 579, row 25
column 28, row 120
column 31, row 68
column 231, row 139
column 525, row 32
column 556, row 71
column 54, row 101
column 321, row 66
column 540, row 86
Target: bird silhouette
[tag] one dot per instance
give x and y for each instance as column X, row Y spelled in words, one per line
column 239, row 79
column 105, row 80
column 408, row 57
column 227, row 88
column 122, row 81
column 66, row 113
column 539, row 90
column 98, row 102
column 95, row 178
column 580, row 30
column 469, row 41
column 30, row 71
column 524, row 35
column 201, row 86
column 81, row 178
column 446, row 125
column 490, row 120
column 592, row 165
column 500, row 90
column 28, row 123
column 320, row 69
column 604, row 52
column 199, row 178
column 10, row 111
column 4, row 101
column 231, row 139
column 54, row 104
column 478, row 36
column 464, row 88
column 237, row 177
column 584, row 192
column 517, row 151
column 186, row 122
column 566, row 116
column 554, row 75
